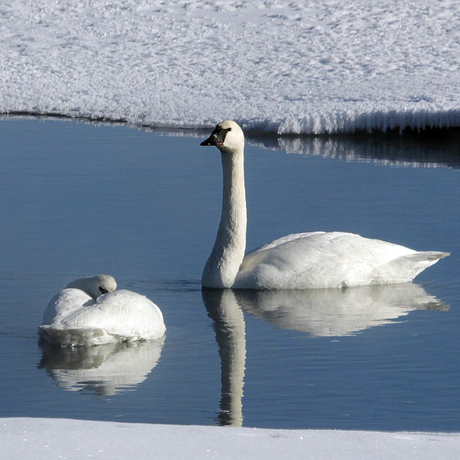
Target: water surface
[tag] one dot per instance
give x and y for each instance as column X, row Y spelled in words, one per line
column 79, row 199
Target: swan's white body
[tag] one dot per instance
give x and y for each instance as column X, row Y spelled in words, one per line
column 74, row 317
column 299, row 261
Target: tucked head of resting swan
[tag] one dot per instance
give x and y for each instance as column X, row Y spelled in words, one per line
column 95, row 286
column 298, row 261
column 89, row 311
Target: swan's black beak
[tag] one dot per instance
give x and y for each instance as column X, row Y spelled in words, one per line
column 217, row 137
column 210, row 141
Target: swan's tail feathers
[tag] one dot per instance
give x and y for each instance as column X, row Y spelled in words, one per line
column 405, row 268
column 436, row 255
column 72, row 337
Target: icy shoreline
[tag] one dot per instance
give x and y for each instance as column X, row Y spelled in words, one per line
column 385, row 123
column 35, row 438
column 275, row 66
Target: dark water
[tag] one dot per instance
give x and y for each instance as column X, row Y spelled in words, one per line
column 77, row 200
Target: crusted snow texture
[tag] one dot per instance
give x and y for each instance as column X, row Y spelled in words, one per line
column 273, row 65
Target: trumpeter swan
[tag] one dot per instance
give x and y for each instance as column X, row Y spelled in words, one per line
column 89, row 311
column 299, row 261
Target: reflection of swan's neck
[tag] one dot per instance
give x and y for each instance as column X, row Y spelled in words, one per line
column 229, row 325
column 232, row 351
column 228, row 252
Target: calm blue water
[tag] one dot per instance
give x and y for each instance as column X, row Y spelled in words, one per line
column 78, row 199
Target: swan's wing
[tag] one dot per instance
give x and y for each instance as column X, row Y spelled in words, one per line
column 124, row 314
column 329, row 260
column 407, row 266
column 64, row 304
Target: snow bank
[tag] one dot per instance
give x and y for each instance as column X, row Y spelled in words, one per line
column 283, row 66
column 37, row 439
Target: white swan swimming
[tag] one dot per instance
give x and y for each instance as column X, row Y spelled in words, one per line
column 89, row 311
column 299, row 261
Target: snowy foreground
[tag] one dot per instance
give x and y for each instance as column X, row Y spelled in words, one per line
column 29, row 438
column 285, row 66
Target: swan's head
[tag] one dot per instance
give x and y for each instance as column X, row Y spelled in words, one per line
column 227, row 137
column 95, row 286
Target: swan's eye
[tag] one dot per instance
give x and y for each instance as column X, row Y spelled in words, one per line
column 102, row 290
column 229, row 129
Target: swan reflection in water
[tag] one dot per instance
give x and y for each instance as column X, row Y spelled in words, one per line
column 104, row 369
column 336, row 312
column 317, row 312
column 229, row 327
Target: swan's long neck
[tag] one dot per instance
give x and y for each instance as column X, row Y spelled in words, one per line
column 228, row 252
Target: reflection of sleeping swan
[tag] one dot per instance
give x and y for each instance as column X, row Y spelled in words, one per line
column 333, row 312
column 106, row 369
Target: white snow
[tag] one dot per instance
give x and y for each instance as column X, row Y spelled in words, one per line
column 37, row 439
column 286, row 66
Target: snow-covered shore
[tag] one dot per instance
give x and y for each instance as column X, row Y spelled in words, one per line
column 37, row 439
column 274, row 65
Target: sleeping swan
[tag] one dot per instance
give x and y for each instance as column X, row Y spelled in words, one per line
column 299, row 261
column 90, row 312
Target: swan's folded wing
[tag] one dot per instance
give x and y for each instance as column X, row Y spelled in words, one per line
column 123, row 314
column 64, row 304
column 408, row 266
column 322, row 260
